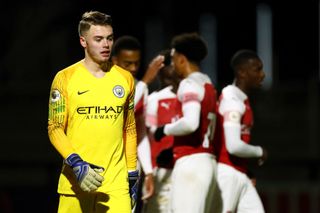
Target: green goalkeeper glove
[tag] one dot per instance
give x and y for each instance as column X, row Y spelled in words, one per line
column 86, row 174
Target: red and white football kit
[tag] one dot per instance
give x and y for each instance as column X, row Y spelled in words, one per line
column 194, row 172
column 161, row 109
column 236, row 120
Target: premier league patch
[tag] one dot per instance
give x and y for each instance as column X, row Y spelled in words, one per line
column 118, row 91
column 55, row 96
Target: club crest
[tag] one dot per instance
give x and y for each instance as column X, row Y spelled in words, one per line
column 118, row 91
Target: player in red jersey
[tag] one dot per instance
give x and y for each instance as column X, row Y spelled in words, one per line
column 160, row 110
column 235, row 118
column 194, row 172
column 127, row 54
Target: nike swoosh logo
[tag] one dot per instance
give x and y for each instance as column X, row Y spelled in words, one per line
column 82, row 92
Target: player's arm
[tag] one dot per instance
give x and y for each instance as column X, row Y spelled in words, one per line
column 151, row 117
column 142, row 86
column 190, row 95
column 144, row 155
column 130, row 141
column 153, row 68
column 140, row 127
column 234, row 144
column 188, row 123
column 129, row 131
column 141, row 89
column 148, row 186
column 144, row 148
column 232, row 112
column 86, row 174
column 58, row 104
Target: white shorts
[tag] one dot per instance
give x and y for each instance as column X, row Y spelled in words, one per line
column 193, row 183
column 238, row 193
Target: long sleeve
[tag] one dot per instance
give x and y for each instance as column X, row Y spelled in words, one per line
column 144, row 155
column 58, row 104
column 130, row 133
column 234, row 144
column 190, row 95
column 188, row 123
column 233, row 108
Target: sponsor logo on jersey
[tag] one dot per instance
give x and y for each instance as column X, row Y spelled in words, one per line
column 118, row 91
column 82, row 92
column 100, row 112
column 245, row 129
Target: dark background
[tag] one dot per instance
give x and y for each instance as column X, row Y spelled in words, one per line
column 38, row 38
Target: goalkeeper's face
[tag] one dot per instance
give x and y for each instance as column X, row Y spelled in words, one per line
column 98, row 42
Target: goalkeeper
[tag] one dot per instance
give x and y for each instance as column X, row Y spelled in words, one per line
column 92, row 126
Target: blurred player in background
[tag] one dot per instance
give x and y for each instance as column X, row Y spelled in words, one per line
column 161, row 109
column 91, row 124
column 127, row 54
column 236, row 121
column 194, row 172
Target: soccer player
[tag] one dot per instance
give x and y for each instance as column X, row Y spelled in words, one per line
column 194, row 171
column 127, row 54
column 236, row 120
column 161, row 109
column 91, row 124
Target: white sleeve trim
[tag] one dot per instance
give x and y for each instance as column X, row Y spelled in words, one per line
column 144, row 155
column 235, row 145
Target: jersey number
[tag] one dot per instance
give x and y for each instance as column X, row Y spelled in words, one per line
column 210, row 130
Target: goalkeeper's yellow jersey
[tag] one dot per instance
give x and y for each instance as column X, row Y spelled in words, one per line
column 94, row 117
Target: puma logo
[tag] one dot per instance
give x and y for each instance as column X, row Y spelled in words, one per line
column 82, row 92
column 165, row 105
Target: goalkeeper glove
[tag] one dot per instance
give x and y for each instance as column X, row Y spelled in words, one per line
column 86, row 174
column 133, row 186
column 159, row 133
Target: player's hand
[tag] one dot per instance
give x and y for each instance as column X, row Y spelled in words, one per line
column 165, row 158
column 153, row 68
column 263, row 158
column 86, row 174
column 148, row 186
column 159, row 133
column 133, row 186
